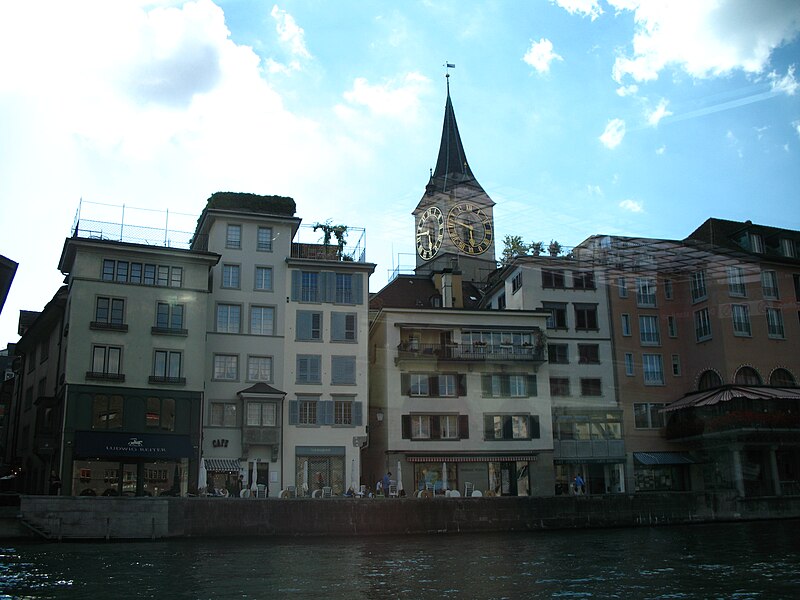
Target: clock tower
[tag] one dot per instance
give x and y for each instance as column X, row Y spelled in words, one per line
column 453, row 222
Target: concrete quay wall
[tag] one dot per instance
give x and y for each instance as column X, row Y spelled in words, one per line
column 67, row 517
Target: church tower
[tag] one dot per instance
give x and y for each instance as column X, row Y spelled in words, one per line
column 453, row 222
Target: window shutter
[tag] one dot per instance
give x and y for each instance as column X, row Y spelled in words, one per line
column 433, row 386
column 294, row 412
column 505, row 387
column 463, row 427
column 337, row 326
column 436, row 430
column 326, row 418
column 406, row 426
column 533, row 426
column 508, row 428
column 486, row 386
column 358, row 288
column 328, row 286
column 405, row 384
column 461, row 384
column 358, row 413
column 303, row 325
column 488, row 427
column 532, row 390
column 314, row 369
column 295, row 285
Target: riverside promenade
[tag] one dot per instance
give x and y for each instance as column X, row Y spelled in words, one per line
column 124, row 518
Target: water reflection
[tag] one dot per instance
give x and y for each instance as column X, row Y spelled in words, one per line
column 746, row 560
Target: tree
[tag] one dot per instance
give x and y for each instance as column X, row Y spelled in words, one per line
column 554, row 248
column 513, row 246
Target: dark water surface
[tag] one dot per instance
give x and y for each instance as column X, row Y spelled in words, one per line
column 741, row 560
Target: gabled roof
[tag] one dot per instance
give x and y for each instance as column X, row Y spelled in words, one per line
column 418, row 291
column 733, row 235
column 261, row 388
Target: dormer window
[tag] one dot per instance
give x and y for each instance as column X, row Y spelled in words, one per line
column 788, row 248
column 756, row 243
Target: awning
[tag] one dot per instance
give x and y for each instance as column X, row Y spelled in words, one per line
column 663, row 458
column 471, row 458
column 727, row 393
column 222, row 465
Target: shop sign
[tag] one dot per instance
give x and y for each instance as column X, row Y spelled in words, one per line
column 135, row 445
column 319, row 450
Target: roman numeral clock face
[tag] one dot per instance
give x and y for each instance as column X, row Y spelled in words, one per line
column 469, row 228
column 430, row 233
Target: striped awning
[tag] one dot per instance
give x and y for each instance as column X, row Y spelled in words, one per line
column 663, row 458
column 222, row 465
column 471, row 458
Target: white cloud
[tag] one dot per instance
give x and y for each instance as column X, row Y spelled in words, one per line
column 290, row 33
column 540, row 55
column 659, row 112
column 796, row 125
column 734, row 143
column 391, row 98
column 627, row 90
column 786, row 84
column 594, row 190
column 633, row 206
column 705, row 38
column 661, row 150
column 613, row 134
column 585, row 8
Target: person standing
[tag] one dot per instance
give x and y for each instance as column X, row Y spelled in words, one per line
column 237, row 487
column 387, row 479
column 579, row 484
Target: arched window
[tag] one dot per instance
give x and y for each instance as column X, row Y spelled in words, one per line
column 747, row 376
column 781, row 378
column 709, row 380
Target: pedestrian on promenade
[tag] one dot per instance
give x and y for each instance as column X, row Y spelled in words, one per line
column 579, row 484
column 387, row 479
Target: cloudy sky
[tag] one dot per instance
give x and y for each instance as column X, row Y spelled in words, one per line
column 578, row 116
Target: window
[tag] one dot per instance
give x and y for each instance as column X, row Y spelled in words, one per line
column 343, row 327
column 229, row 318
column 583, row 280
column 262, row 320
column 160, row 413
column 756, row 243
column 557, row 354
column 629, row 364
column 747, row 376
column 223, row 414
column 44, row 350
column 226, row 367
column 702, row 325
column 149, row 274
column 517, row 387
column 307, row 410
column 263, row 279
column 447, row 385
column 552, row 278
column 230, row 276
column 668, row 292
column 622, row 287
column 136, row 273
column 645, row 291
column 591, row 386
column 769, row 284
column 709, row 380
column 736, row 281
column 697, row 286
column 788, row 248
column 167, row 367
column 740, row 314
column 557, row 319
column 264, row 239
column 343, row 412
column 516, row 283
column 653, row 369
column 420, row 427
column 122, row 271
column 676, row 365
column 309, row 368
column 511, row 427
column 261, row 414
column 233, row 237
column 107, row 411
column 419, row 384
column 672, row 326
column 626, row 324
column 448, row 427
column 559, row 386
column 588, row 354
column 162, row 276
column 169, row 317
column 109, row 266
column 344, row 288
column 501, row 302
column 176, row 277
column 585, row 317
column 343, row 370
column 309, row 286
column 774, row 323
column 509, row 385
column 259, row 368
column 781, row 378
column 106, row 361
column 648, row 415
column 309, row 325
column 109, row 312
column 649, row 334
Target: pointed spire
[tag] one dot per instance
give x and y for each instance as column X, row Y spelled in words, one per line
column 452, row 167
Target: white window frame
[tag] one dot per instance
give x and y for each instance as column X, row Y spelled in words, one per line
column 652, row 369
column 263, row 279
column 769, row 285
column 266, row 320
column 736, row 286
column 775, row 327
column 702, row 325
column 740, row 317
column 233, row 236
column 259, row 368
column 226, row 367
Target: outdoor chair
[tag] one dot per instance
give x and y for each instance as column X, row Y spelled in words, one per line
column 469, row 487
column 392, row 490
column 327, row 492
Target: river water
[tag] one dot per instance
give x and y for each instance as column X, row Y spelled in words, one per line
column 739, row 560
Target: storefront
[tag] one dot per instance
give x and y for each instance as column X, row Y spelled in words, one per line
column 124, row 464
column 318, row 467
column 661, row 471
column 499, row 475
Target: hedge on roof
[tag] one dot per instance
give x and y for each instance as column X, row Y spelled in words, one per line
column 271, row 205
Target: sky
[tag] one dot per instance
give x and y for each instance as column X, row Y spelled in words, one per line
column 578, row 117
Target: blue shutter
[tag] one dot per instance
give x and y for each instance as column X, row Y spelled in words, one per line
column 295, row 285
column 358, row 413
column 328, row 285
column 303, row 325
column 315, row 369
column 326, row 416
column 337, row 326
column 358, row 288
column 294, row 412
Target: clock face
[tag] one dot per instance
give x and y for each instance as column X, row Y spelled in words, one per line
column 469, row 228
column 430, row 232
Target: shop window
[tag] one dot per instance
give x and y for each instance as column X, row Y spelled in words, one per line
column 160, row 413
column 107, row 411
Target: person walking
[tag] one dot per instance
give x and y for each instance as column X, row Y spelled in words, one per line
column 579, row 485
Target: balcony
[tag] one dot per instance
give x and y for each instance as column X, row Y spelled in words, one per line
column 311, row 244
column 588, row 449
column 733, row 423
column 166, row 380
column 470, row 352
column 265, row 436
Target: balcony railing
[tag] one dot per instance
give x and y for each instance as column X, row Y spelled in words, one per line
column 470, row 352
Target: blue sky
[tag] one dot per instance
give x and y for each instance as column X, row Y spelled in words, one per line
column 578, row 117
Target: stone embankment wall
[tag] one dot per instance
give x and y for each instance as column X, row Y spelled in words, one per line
column 65, row 517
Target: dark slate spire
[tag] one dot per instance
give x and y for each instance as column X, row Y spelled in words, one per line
column 452, row 167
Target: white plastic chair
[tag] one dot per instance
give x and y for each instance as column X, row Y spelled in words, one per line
column 393, row 490
column 327, row 492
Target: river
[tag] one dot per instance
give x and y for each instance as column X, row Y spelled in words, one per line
column 736, row 560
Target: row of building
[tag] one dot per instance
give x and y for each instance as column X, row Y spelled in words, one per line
column 640, row 364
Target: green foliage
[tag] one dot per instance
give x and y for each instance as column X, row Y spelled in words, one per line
column 338, row 231
column 271, row 205
column 513, row 246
